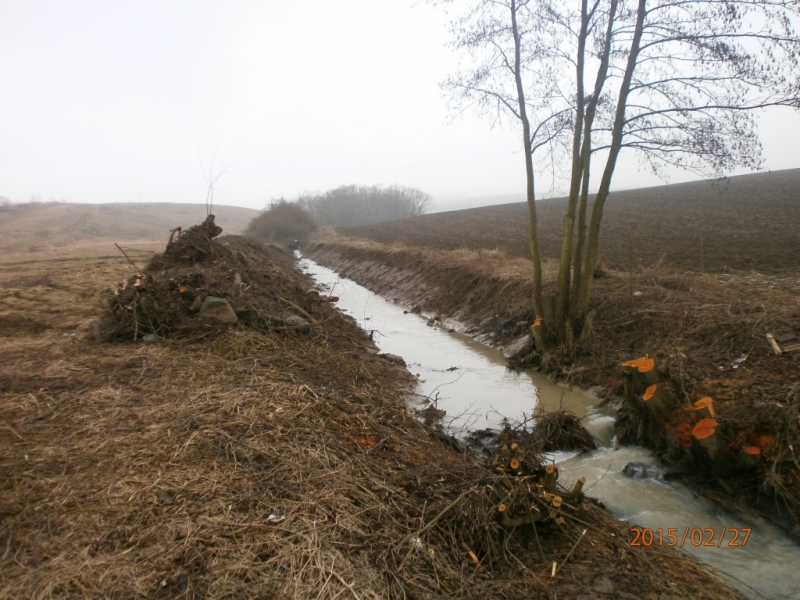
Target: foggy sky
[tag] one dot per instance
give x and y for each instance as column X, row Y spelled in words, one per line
column 121, row 101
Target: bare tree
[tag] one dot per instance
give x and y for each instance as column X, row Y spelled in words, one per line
column 211, row 179
column 677, row 81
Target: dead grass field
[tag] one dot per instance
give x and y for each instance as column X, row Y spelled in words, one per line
column 250, row 464
column 51, row 227
column 750, row 222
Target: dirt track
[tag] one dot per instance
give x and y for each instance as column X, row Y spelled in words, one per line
column 250, row 464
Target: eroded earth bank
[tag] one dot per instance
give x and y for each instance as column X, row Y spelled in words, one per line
column 704, row 387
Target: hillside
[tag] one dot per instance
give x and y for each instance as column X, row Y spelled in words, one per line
column 749, row 222
column 42, row 226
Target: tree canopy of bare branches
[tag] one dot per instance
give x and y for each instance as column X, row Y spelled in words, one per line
column 359, row 205
column 679, row 82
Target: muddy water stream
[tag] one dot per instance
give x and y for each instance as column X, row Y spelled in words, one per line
column 470, row 382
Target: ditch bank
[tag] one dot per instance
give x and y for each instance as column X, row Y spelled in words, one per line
column 190, row 458
column 727, row 409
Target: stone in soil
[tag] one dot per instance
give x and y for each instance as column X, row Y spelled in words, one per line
column 218, row 309
column 519, row 348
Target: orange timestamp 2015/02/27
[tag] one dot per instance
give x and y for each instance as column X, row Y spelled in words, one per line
column 695, row 536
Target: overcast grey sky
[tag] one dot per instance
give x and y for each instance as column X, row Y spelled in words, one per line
column 118, row 101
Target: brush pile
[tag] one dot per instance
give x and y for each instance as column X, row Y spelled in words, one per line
column 166, row 299
column 559, row 430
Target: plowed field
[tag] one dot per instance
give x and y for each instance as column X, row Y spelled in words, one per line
column 751, row 222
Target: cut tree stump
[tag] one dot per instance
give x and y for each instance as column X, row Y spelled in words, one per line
column 749, row 458
column 550, row 478
column 705, row 408
column 649, row 403
column 712, row 446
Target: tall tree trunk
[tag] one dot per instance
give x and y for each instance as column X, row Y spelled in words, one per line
column 530, row 195
column 577, row 272
column 613, row 153
column 562, row 284
column 586, row 159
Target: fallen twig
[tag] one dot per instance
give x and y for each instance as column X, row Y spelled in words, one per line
column 126, row 256
column 344, row 583
column 556, row 566
column 14, row 432
column 430, row 524
column 298, row 309
column 9, row 543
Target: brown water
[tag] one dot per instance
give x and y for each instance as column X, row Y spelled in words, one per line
column 470, row 382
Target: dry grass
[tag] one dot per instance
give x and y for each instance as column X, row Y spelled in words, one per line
column 36, row 228
column 258, row 465
column 496, row 262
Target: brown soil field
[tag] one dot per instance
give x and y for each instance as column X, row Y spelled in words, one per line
column 749, row 222
column 706, row 333
column 257, row 461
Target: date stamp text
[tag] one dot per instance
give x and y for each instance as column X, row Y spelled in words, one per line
column 694, row 536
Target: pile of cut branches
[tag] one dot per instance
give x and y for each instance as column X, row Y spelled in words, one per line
column 559, row 430
column 165, row 298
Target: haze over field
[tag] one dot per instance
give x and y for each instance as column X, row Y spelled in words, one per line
column 694, row 226
column 110, row 102
column 39, row 226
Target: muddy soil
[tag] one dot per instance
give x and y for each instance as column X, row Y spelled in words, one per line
column 707, row 334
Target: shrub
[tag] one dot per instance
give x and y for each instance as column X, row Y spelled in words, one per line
column 282, row 221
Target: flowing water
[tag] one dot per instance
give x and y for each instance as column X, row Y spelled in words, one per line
column 470, row 382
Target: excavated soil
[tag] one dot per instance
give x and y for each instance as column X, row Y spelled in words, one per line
column 707, row 334
column 260, row 461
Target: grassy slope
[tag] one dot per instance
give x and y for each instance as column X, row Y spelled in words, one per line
column 746, row 222
column 41, row 226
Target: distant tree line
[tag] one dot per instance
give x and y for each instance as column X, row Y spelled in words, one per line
column 351, row 205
